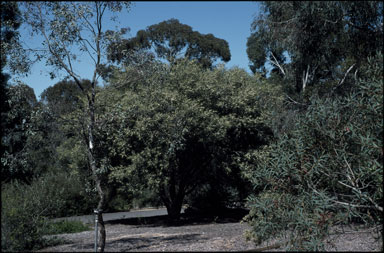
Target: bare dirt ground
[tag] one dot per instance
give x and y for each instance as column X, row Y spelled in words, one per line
column 203, row 235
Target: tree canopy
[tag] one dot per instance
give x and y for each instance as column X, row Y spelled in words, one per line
column 10, row 22
column 322, row 39
column 187, row 126
column 171, row 40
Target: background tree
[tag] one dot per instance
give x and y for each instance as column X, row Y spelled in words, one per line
column 65, row 116
column 10, row 22
column 63, row 27
column 171, row 40
column 17, row 128
column 65, row 97
column 314, row 35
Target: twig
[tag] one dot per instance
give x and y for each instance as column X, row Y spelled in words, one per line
column 294, row 101
column 345, row 75
column 273, row 246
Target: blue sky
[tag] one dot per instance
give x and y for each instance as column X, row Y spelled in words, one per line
column 228, row 20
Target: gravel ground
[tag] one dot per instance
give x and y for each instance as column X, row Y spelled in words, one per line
column 220, row 236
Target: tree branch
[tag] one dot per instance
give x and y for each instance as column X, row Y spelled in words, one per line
column 276, row 63
column 294, row 101
column 90, row 26
column 345, row 75
column 282, row 22
column 305, row 78
column 57, row 56
column 86, row 48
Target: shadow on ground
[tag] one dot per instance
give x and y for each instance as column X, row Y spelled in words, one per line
column 190, row 217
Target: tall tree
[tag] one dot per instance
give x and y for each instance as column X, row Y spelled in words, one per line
column 318, row 37
column 65, row 27
column 171, row 40
column 10, row 22
column 17, row 121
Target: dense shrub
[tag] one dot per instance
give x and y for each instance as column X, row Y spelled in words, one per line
column 327, row 170
column 25, row 209
column 22, row 220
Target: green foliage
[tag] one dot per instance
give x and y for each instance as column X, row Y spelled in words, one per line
column 186, row 132
column 22, row 221
column 327, row 170
column 169, row 39
column 25, row 208
column 320, row 38
column 66, row 26
column 10, row 19
column 65, row 97
column 10, row 22
column 173, row 134
column 20, row 224
column 146, row 198
column 17, row 123
column 66, row 227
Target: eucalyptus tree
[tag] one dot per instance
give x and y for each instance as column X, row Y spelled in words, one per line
column 172, row 40
column 67, row 29
column 325, row 40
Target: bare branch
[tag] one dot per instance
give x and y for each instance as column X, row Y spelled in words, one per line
column 345, row 75
column 352, row 205
column 276, row 63
column 343, row 203
column 285, row 21
column 87, row 50
column 355, row 187
column 294, row 100
column 89, row 43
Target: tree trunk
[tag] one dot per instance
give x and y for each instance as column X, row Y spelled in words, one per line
column 101, row 208
column 174, row 210
column 101, row 204
column 92, row 161
column 102, row 235
column 173, row 203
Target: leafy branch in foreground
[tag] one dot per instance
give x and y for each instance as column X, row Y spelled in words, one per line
column 327, row 171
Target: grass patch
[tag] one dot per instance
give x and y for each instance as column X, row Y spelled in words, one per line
column 66, row 227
